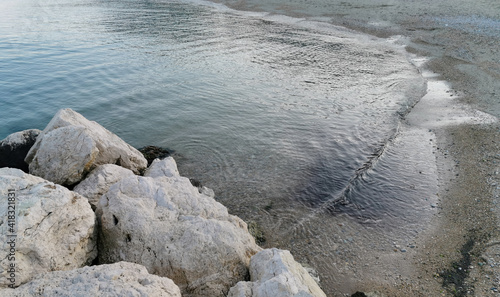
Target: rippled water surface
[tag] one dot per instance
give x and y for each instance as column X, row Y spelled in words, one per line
column 294, row 124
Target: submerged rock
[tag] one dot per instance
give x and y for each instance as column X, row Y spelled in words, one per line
column 113, row 280
column 71, row 146
column 257, row 232
column 275, row 273
column 54, row 228
column 201, row 188
column 165, row 224
column 98, row 182
column 152, row 152
column 15, row 147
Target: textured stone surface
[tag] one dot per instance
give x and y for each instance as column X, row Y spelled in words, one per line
column 207, row 191
column 71, row 146
column 165, row 167
column 113, row 280
column 275, row 273
column 15, row 147
column 165, row 224
column 55, row 227
column 100, row 180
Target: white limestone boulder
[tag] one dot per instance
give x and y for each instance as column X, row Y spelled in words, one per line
column 55, row 228
column 168, row 167
column 275, row 273
column 165, row 224
column 71, row 146
column 164, row 167
column 113, row 280
column 15, row 147
column 99, row 180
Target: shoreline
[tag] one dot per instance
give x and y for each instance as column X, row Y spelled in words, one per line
column 455, row 252
column 451, row 258
column 455, row 240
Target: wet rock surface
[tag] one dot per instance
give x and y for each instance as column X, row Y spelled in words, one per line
column 152, row 152
column 15, row 147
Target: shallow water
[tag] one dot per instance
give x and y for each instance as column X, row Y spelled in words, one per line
column 295, row 124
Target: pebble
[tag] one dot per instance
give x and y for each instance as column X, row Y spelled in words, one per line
column 403, row 250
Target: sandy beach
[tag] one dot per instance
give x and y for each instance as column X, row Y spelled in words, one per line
column 459, row 257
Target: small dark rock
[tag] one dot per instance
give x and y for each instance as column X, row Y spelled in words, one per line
column 359, row 294
column 195, row 183
column 15, row 147
column 152, row 152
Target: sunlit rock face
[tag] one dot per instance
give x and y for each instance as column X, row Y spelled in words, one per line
column 167, row 225
column 71, row 146
column 54, row 228
column 112, row 280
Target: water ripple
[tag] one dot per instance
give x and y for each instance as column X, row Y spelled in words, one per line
column 294, row 124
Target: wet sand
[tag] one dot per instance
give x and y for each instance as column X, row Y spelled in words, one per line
column 458, row 253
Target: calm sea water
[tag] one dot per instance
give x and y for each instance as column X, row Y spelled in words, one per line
column 295, row 124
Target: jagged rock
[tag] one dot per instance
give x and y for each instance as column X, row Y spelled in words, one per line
column 275, row 273
column 113, row 280
column 166, row 167
column 15, row 147
column 55, row 227
column 165, row 224
column 65, row 155
column 71, row 146
column 99, row 181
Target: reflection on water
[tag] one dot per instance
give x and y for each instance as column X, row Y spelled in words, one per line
column 294, row 124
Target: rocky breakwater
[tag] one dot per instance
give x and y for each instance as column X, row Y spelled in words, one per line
column 152, row 234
